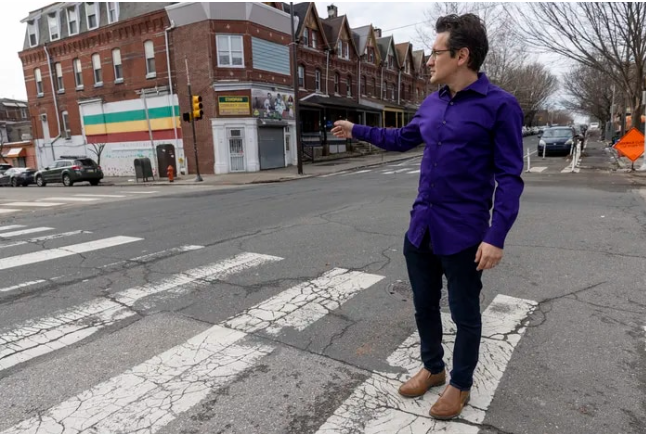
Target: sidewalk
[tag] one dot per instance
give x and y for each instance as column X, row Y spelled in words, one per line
column 276, row 175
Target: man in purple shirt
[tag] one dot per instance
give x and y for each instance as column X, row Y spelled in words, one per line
column 473, row 136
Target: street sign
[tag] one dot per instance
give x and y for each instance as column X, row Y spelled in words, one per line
column 631, row 145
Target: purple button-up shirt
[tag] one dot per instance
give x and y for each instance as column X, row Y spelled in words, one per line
column 473, row 141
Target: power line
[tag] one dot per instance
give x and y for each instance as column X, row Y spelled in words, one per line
column 403, row 27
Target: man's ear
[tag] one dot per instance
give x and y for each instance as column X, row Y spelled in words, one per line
column 463, row 56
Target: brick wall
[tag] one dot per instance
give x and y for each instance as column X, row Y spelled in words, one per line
column 129, row 36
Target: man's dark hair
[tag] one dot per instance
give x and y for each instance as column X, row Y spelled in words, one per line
column 466, row 31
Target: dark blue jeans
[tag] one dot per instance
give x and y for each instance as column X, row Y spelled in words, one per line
column 425, row 270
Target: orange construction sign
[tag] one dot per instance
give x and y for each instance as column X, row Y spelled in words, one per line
column 631, row 145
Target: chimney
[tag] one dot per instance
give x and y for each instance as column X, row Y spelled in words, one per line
column 377, row 32
column 332, row 11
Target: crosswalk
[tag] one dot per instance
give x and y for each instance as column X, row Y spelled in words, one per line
column 152, row 394
column 12, row 207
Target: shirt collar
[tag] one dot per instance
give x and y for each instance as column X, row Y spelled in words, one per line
column 481, row 86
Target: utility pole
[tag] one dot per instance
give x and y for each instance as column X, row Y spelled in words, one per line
column 198, row 178
column 299, row 142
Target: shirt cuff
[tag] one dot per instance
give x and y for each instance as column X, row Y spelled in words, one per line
column 495, row 238
column 360, row 132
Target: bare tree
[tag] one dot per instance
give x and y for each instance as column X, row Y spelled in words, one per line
column 589, row 91
column 532, row 85
column 505, row 50
column 97, row 150
column 609, row 37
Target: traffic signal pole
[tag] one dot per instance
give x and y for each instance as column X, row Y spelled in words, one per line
column 198, row 178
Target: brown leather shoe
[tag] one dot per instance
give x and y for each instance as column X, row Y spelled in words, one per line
column 450, row 403
column 421, row 382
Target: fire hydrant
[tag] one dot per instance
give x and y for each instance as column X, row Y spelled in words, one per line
column 171, row 173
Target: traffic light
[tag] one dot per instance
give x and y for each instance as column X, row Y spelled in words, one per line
column 197, row 107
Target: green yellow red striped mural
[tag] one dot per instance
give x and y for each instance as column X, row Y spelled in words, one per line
column 131, row 125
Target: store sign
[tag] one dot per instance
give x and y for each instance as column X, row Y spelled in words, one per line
column 234, row 105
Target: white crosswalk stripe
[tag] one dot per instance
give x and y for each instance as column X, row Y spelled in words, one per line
column 376, row 406
column 24, row 232
column 72, row 199
column 148, row 395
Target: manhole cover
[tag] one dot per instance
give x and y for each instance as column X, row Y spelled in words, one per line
column 402, row 290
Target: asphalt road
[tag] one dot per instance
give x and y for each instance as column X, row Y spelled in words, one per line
column 285, row 308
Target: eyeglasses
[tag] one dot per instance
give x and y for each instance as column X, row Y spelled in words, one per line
column 434, row 53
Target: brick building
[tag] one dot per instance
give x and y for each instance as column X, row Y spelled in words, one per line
column 109, row 80
column 239, row 61
column 15, row 131
column 97, row 78
column 353, row 74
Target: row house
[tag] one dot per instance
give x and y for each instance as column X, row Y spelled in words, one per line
column 109, row 81
column 15, row 133
column 354, row 74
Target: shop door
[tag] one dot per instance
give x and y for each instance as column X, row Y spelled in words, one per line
column 271, row 147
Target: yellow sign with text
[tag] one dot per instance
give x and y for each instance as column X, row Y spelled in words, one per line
column 234, row 105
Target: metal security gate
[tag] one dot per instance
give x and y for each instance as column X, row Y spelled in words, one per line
column 236, row 149
column 271, row 147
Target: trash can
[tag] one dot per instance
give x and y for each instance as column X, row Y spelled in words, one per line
column 143, row 169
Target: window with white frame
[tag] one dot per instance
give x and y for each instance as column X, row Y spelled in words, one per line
column 392, row 92
column 66, row 125
column 39, row 82
column 92, row 15
column 23, row 112
column 317, row 80
column 32, row 27
column 384, row 90
column 339, row 48
column 314, row 38
column 53, row 22
column 113, row 12
column 59, row 78
column 230, row 51
column 98, row 72
column 73, row 20
column 337, row 79
column 78, row 73
column 301, row 76
column 149, row 49
column 348, row 84
column 118, row 68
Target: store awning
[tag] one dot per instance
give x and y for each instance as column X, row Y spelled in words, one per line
column 339, row 102
column 15, row 153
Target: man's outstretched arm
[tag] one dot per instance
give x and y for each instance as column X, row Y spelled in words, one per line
column 390, row 139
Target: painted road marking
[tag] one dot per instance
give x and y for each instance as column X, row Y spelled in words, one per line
column 149, row 396
column 62, row 252
column 539, row 169
column 140, row 192
column 8, row 211
column 22, row 285
column 376, row 407
column 41, row 239
column 24, row 232
column 11, row 227
column 42, row 336
column 32, row 204
column 71, row 199
column 100, row 195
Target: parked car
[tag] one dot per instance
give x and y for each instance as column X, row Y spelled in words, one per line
column 4, row 167
column 16, row 176
column 70, row 170
column 556, row 140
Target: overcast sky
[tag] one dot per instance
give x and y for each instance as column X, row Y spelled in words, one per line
column 399, row 19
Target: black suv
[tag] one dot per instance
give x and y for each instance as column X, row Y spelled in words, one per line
column 70, row 170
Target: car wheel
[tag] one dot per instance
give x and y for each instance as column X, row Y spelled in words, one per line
column 94, row 182
column 14, row 182
column 67, row 181
column 40, row 181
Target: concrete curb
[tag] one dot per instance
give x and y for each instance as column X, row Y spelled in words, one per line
column 255, row 182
